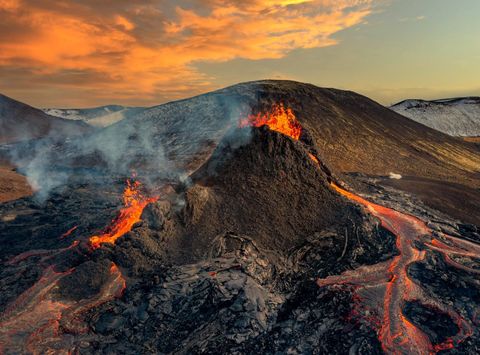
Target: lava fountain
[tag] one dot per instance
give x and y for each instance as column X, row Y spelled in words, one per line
column 278, row 119
column 134, row 202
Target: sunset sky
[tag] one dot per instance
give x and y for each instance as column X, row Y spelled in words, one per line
column 58, row 53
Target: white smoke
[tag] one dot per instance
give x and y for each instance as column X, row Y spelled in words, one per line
column 159, row 142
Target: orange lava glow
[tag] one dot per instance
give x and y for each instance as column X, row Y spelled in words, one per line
column 40, row 323
column 39, row 320
column 134, row 203
column 397, row 334
column 69, row 232
column 314, row 158
column 278, row 119
column 44, row 254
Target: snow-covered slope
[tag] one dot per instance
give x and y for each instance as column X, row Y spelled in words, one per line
column 98, row 116
column 457, row 117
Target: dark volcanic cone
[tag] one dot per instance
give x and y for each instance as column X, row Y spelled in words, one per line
column 268, row 189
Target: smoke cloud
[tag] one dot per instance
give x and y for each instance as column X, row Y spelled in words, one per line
column 166, row 142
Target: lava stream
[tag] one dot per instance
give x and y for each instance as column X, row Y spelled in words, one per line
column 32, row 323
column 39, row 321
column 396, row 333
column 45, row 254
column 69, row 232
column 134, row 203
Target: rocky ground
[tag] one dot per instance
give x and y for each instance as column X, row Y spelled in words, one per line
column 240, row 296
column 237, row 250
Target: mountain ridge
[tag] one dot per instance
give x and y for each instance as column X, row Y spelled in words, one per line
column 20, row 122
column 458, row 116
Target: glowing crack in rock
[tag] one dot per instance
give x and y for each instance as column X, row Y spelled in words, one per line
column 44, row 254
column 69, row 232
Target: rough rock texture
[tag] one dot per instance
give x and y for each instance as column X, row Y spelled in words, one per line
column 268, row 189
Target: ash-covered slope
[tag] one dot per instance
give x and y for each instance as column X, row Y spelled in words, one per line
column 97, row 116
column 352, row 132
column 268, row 188
column 21, row 122
column 456, row 117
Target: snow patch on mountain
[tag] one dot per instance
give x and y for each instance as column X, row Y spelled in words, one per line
column 98, row 116
column 456, row 117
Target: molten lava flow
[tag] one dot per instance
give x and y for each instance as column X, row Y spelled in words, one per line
column 134, row 202
column 313, row 157
column 397, row 334
column 38, row 322
column 69, row 232
column 44, row 254
column 278, row 119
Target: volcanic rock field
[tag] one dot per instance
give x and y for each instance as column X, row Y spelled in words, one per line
column 257, row 219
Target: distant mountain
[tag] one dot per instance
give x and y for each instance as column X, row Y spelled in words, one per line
column 20, row 122
column 351, row 132
column 456, row 117
column 97, row 116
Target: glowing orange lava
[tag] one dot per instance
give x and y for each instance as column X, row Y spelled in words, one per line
column 278, row 119
column 69, row 232
column 134, row 202
column 39, row 321
column 397, row 334
column 313, row 157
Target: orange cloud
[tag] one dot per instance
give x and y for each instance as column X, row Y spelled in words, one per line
column 124, row 49
column 9, row 5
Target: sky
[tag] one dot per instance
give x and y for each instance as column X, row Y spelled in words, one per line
column 85, row 53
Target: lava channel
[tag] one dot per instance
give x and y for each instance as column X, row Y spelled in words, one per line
column 386, row 287
column 391, row 281
column 39, row 323
column 134, row 202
